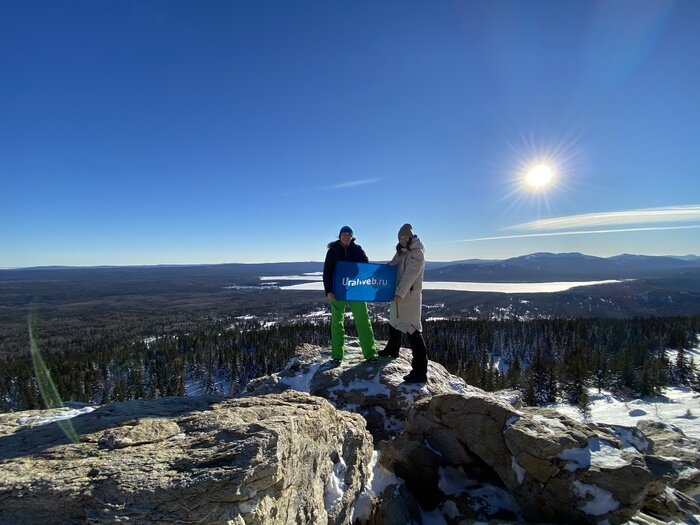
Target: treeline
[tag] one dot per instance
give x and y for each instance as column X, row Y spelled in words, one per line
column 545, row 359
column 549, row 359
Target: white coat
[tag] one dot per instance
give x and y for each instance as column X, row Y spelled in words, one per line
column 406, row 315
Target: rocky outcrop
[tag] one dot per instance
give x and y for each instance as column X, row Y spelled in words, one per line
column 282, row 453
column 375, row 390
column 278, row 458
column 555, row 469
column 675, row 460
column 475, row 455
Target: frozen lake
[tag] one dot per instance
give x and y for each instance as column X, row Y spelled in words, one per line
column 317, row 284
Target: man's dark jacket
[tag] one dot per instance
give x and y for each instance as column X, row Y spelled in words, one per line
column 336, row 252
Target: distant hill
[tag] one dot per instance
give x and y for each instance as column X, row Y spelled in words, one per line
column 546, row 267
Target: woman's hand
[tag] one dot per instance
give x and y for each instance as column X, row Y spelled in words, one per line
column 397, row 298
column 331, row 296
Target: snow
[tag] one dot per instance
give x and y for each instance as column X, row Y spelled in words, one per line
column 66, row 414
column 461, row 286
column 373, row 387
column 391, row 424
column 319, row 313
column 453, row 481
column 433, row 517
column 602, row 501
column 671, row 408
column 518, row 469
column 598, row 453
column 301, row 382
column 494, row 499
column 335, row 486
column 197, row 386
column 549, row 423
column 380, row 478
column 311, row 276
column 629, row 439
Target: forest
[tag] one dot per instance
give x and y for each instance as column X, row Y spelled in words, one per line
column 545, row 359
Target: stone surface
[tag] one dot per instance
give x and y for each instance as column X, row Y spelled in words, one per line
column 550, row 464
column 278, row 458
column 375, row 390
column 283, row 454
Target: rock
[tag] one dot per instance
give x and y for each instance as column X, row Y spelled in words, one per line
column 396, row 507
column 375, row 390
column 278, row 458
column 669, row 442
column 676, row 464
column 557, row 470
column 139, row 432
column 282, row 454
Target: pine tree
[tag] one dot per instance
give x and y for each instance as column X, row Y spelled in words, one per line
column 682, row 368
column 512, row 379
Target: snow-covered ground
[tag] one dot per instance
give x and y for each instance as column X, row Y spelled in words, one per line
column 679, row 406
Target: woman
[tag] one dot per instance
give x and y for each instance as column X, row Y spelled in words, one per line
column 345, row 249
column 405, row 310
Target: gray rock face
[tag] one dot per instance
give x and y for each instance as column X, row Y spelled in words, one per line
column 539, row 464
column 280, row 458
column 374, row 390
column 556, row 469
column 676, row 463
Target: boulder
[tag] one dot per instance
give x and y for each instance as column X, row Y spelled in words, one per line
column 278, row 458
column 375, row 390
column 675, row 460
column 555, row 469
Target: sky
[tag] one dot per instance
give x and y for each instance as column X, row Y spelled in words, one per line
column 176, row 132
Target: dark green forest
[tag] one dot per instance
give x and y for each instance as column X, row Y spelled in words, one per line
column 544, row 359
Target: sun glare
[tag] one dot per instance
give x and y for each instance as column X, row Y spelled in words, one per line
column 539, row 176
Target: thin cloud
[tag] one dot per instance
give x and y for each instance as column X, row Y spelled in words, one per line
column 351, row 184
column 581, row 232
column 642, row 216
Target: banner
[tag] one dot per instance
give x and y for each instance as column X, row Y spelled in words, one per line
column 364, row 282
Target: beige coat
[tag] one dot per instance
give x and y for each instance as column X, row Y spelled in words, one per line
column 405, row 316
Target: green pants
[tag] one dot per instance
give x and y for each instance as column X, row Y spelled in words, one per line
column 364, row 328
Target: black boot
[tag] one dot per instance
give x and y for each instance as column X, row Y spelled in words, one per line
column 419, row 363
column 392, row 346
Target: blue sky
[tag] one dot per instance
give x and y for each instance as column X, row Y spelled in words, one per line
column 201, row 132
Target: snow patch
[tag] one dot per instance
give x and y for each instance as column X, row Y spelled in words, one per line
column 379, row 479
column 67, row 414
column 549, row 423
column 335, row 486
column 301, row 382
column 453, row 481
column 601, row 501
column 598, row 453
column 518, row 469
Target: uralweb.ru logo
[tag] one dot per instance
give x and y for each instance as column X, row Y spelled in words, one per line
column 365, row 282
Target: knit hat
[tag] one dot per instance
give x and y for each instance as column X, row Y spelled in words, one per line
column 406, row 231
column 346, row 229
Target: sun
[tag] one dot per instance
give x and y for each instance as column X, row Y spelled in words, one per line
column 539, row 176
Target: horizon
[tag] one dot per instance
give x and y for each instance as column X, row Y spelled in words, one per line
column 150, row 133
column 64, row 266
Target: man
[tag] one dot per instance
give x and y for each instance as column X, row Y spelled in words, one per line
column 345, row 249
column 405, row 310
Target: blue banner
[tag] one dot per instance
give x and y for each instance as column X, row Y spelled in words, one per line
column 364, row 282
